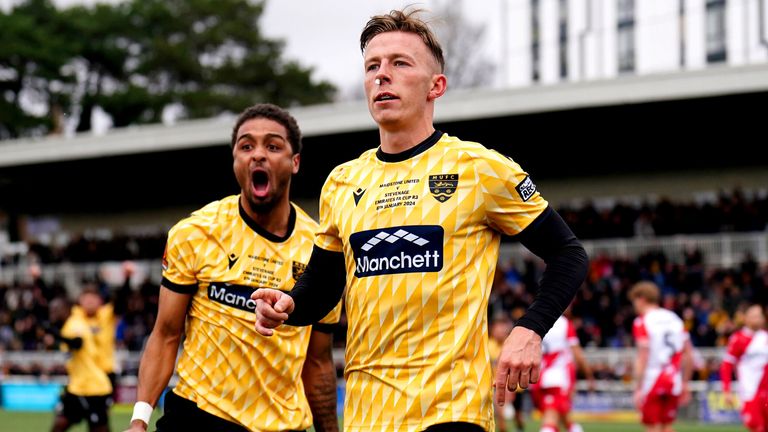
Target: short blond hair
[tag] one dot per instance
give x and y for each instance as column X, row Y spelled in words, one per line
column 645, row 290
column 408, row 22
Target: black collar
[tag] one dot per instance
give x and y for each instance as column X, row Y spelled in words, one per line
column 264, row 233
column 411, row 152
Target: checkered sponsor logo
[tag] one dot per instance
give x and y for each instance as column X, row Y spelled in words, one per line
column 392, row 238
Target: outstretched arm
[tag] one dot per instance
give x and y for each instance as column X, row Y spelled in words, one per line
column 73, row 343
column 319, row 289
column 736, row 347
column 550, row 239
column 162, row 346
column 120, row 296
column 315, row 294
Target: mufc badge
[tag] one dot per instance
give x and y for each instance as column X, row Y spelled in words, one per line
column 443, row 186
column 298, row 269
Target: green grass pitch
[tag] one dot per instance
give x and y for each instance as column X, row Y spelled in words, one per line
column 41, row 421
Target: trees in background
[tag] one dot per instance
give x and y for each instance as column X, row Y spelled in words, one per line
column 138, row 58
column 466, row 63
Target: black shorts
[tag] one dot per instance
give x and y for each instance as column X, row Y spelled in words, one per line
column 455, row 427
column 518, row 402
column 113, row 380
column 180, row 414
column 92, row 409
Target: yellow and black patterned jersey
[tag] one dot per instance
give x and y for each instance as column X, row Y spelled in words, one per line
column 421, row 238
column 105, row 339
column 86, row 375
column 221, row 256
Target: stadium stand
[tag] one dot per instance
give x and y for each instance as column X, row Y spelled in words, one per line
column 734, row 211
column 710, row 299
column 713, row 264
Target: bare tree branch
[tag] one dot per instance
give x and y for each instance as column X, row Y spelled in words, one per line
column 466, row 65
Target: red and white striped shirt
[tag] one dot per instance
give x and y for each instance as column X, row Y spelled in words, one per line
column 557, row 365
column 662, row 331
column 748, row 350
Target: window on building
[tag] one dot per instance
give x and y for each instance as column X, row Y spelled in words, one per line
column 563, row 37
column 626, row 35
column 681, row 29
column 716, row 48
column 535, row 41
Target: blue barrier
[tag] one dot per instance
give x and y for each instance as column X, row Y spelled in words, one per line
column 715, row 410
column 29, row 396
column 340, row 394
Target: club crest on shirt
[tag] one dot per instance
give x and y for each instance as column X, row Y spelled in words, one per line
column 443, row 186
column 298, row 269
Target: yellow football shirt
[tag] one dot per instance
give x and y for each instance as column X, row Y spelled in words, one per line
column 221, row 256
column 105, row 339
column 421, row 238
column 86, row 376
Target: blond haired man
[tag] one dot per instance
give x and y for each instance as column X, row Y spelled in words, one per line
column 412, row 229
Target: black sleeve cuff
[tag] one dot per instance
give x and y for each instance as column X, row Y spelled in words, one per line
column 177, row 288
column 534, row 321
column 325, row 328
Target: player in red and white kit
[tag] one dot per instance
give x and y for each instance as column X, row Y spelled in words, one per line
column 748, row 351
column 552, row 395
column 664, row 363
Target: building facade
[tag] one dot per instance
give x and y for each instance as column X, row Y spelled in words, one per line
column 557, row 41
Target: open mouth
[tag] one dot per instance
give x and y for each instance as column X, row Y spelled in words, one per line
column 260, row 181
column 384, row 96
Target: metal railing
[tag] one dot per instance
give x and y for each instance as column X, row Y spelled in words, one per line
column 129, row 360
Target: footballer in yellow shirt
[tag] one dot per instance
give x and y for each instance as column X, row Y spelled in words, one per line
column 421, row 244
column 230, row 377
column 89, row 387
column 409, row 234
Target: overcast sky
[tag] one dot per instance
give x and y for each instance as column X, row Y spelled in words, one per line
column 324, row 33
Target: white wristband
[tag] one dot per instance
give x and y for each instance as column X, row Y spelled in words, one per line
column 142, row 411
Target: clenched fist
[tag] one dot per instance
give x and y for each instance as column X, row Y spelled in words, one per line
column 272, row 309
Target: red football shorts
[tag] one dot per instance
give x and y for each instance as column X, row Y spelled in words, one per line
column 755, row 413
column 552, row 398
column 659, row 409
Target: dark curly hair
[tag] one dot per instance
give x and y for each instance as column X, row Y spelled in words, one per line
column 275, row 113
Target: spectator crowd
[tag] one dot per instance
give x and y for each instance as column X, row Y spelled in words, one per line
column 729, row 212
column 711, row 301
